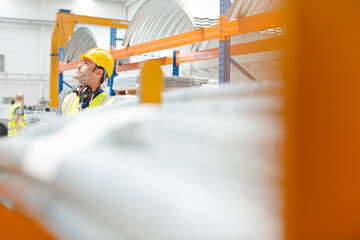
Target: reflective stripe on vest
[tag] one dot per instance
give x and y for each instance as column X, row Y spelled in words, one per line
column 70, row 105
column 12, row 129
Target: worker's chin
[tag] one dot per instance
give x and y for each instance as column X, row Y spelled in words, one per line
column 77, row 77
column 82, row 82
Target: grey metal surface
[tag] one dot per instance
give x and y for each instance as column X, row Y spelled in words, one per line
column 202, row 166
column 131, row 82
column 4, row 114
column 245, row 8
column 87, row 37
column 36, row 117
column 161, row 18
column 126, row 82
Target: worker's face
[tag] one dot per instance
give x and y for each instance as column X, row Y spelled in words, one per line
column 86, row 72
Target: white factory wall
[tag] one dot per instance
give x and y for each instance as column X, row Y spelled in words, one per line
column 26, row 47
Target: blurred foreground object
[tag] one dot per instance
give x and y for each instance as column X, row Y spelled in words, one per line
column 202, row 165
column 323, row 131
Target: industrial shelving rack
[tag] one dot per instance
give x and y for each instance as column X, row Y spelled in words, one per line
column 222, row 31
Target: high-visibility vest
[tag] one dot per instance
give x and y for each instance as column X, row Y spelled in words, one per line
column 71, row 103
column 12, row 129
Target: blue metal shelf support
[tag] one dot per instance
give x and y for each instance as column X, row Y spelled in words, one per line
column 224, row 47
column 61, row 75
column 175, row 66
column 113, row 39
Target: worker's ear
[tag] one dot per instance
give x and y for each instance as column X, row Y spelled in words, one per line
column 99, row 73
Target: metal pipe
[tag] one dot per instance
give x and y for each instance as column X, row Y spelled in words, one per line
column 26, row 21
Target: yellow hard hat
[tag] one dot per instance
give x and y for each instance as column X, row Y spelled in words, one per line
column 102, row 58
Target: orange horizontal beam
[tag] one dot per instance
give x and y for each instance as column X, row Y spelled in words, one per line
column 137, row 65
column 254, row 23
column 258, row 46
column 69, row 17
column 119, row 68
column 198, row 56
column 198, row 35
column 239, row 49
column 68, row 66
column 241, row 26
column 101, row 21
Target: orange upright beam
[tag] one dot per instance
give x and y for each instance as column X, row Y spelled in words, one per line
column 151, row 82
column 323, row 121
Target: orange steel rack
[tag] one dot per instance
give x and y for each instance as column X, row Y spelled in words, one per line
column 245, row 25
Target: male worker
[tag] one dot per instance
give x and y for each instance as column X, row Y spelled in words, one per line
column 96, row 65
column 17, row 118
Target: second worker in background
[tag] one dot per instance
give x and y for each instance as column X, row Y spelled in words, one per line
column 96, row 65
column 17, row 118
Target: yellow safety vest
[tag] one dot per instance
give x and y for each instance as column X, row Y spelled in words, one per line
column 71, row 103
column 12, row 129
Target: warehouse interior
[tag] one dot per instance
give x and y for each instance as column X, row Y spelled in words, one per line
column 232, row 119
